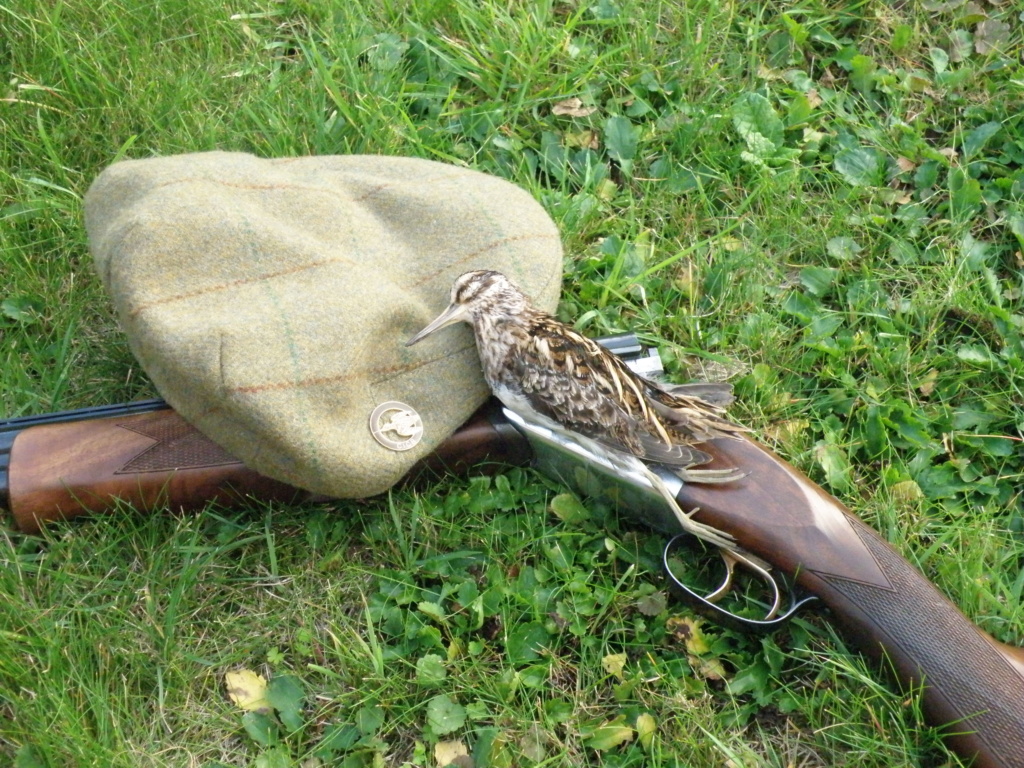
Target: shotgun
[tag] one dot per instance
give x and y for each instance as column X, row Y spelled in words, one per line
column 144, row 454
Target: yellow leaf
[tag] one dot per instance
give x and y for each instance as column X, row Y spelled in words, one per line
column 688, row 631
column 448, row 752
column 646, row 727
column 247, row 689
column 614, row 663
column 906, row 490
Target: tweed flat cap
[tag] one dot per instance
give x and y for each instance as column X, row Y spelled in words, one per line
column 269, row 300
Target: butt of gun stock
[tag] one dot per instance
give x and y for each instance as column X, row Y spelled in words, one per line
column 148, row 460
column 154, row 460
column 973, row 686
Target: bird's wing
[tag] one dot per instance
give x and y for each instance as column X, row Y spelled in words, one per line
column 567, row 378
column 716, row 393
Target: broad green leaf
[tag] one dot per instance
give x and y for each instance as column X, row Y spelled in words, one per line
column 621, row 140
column 386, row 52
column 559, row 710
column 843, row 248
column 977, row 354
column 964, row 195
column 553, row 155
column 835, row 463
column 903, row 252
column 799, row 110
column 926, row 175
column 976, row 140
column 285, row 694
column 430, row 670
column 1016, row 221
column 993, row 446
column 942, row 482
column 961, row 45
column 491, row 749
column 796, row 30
column 754, row 116
column 533, row 745
column 906, row 490
column 369, row 719
column 277, row 757
column 754, row 679
column 992, row 35
column 974, row 252
column 901, row 38
column 861, row 167
column 525, row 643
column 445, row 715
column 653, row 604
column 940, row 60
column 261, row 728
column 862, row 73
column 28, row 756
column 433, row 610
column 569, row 509
column 608, row 736
column 605, row 10
column 800, row 305
column 22, row 309
column 337, row 737
column 817, row 280
column 910, row 427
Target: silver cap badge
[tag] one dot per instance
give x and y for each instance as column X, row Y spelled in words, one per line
column 396, row 426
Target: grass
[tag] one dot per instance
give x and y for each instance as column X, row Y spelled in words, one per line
column 821, row 201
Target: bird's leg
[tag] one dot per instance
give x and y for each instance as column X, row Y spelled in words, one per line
column 707, row 533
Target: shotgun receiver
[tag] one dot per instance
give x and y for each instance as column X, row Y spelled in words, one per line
column 60, row 465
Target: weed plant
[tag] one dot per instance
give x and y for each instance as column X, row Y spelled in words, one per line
column 819, row 201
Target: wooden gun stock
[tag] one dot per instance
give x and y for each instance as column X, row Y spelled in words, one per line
column 973, row 685
column 72, row 464
column 148, row 460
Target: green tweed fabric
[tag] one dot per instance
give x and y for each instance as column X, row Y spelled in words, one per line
column 269, row 300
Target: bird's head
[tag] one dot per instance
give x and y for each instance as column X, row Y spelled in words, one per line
column 476, row 295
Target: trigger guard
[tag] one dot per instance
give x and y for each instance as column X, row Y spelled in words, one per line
column 705, row 606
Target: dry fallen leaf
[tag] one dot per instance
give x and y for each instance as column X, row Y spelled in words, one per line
column 583, row 140
column 448, row 752
column 708, row 669
column 927, row 384
column 905, row 165
column 572, row 108
column 247, row 689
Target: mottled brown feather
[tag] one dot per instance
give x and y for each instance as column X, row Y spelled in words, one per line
column 570, row 379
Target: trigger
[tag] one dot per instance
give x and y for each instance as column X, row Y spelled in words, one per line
column 707, row 604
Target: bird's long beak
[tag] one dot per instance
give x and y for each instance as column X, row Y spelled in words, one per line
column 453, row 314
